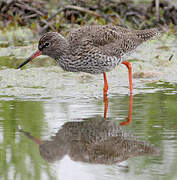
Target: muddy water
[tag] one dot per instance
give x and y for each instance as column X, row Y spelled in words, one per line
column 52, row 125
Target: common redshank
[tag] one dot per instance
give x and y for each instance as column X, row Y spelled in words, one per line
column 93, row 49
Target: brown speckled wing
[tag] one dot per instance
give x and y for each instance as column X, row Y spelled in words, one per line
column 109, row 40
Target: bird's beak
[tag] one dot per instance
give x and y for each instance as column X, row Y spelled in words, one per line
column 37, row 53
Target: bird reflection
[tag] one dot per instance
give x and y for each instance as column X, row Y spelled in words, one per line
column 93, row 140
column 129, row 118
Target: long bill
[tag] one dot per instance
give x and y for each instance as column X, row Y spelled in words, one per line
column 33, row 56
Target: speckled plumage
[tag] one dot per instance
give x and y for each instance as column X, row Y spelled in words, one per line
column 93, row 49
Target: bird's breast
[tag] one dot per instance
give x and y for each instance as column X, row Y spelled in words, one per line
column 89, row 64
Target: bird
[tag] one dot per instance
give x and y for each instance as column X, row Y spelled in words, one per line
column 94, row 49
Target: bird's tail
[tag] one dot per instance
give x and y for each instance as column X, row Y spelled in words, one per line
column 147, row 33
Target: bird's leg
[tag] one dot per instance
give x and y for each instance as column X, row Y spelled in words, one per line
column 105, row 89
column 105, row 106
column 129, row 118
column 130, row 75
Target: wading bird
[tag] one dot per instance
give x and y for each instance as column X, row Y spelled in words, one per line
column 93, row 49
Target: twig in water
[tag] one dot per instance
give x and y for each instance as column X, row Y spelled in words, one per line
column 170, row 57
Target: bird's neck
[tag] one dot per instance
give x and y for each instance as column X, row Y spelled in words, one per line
column 61, row 50
column 62, row 54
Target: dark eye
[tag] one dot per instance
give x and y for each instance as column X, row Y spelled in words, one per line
column 46, row 44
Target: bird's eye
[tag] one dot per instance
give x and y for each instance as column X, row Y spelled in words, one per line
column 46, row 44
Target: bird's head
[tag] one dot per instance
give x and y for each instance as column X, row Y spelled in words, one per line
column 51, row 44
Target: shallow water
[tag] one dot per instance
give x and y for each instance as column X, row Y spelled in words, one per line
column 153, row 122
column 52, row 125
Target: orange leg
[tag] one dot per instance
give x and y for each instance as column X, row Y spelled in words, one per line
column 129, row 118
column 130, row 75
column 105, row 90
column 105, row 106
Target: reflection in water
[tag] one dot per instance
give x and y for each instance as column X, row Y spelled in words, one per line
column 94, row 140
column 129, row 118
